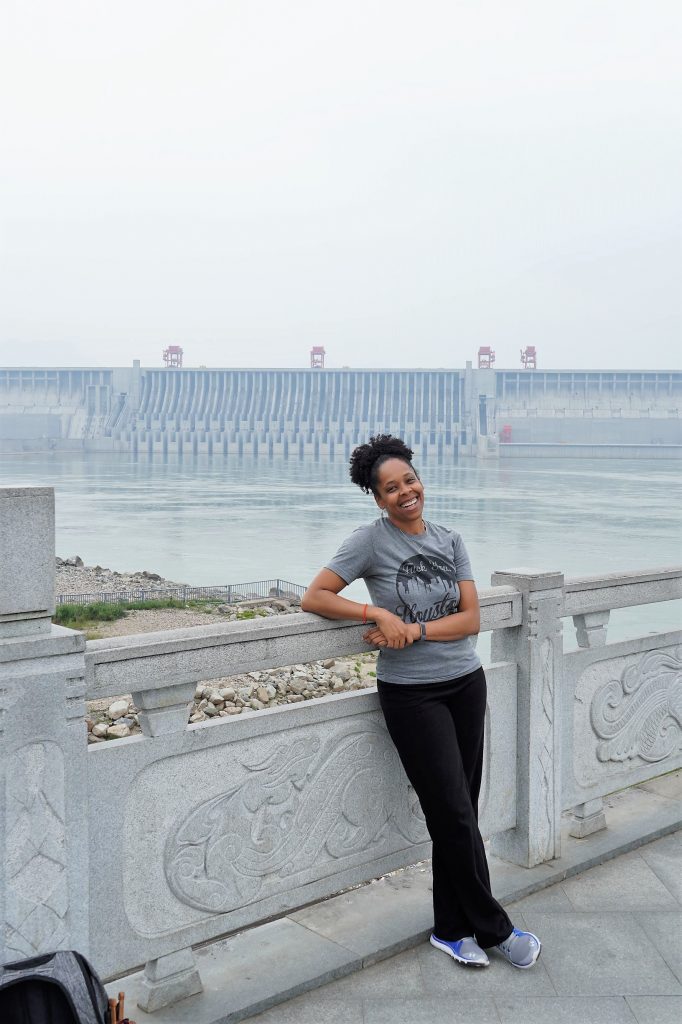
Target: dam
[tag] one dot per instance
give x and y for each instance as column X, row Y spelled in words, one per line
column 324, row 412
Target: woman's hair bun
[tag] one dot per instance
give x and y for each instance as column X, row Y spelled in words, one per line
column 366, row 459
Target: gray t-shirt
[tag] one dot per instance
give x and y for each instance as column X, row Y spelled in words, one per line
column 415, row 577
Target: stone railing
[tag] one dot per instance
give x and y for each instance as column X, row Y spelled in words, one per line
column 136, row 850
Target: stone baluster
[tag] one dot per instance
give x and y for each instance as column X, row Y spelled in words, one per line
column 588, row 818
column 590, row 628
column 536, row 646
column 165, row 709
column 44, row 882
column 168, row 979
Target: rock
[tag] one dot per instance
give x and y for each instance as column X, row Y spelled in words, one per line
column 233, row 711
column 126, row 720
column 337, row 684
column 257, row 705
column 74, row 560
column 100, row 729
column 211, row 711
column 227, row 693
column 262, row 695
column 344, row 674
column 329, row 663
column 198, row 716
column 95, row 739
column 118, row 709
column 295, row 697
column 117, row 732
column 299, row 685
column 244, row 692
column 255, row 676
column 89, row 724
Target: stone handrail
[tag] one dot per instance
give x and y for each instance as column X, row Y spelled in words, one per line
column 621, row 590
column 175, row 657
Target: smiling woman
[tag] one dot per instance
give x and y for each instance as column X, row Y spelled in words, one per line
column 431, row 685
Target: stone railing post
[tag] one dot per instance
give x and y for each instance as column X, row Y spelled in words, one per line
column 537, row 648
column 43, row 799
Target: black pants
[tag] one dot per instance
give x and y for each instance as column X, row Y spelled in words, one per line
column 437, row 729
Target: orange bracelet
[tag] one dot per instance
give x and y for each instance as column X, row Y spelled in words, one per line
column 364, row 614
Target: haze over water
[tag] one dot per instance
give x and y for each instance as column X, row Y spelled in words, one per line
column 232, row 520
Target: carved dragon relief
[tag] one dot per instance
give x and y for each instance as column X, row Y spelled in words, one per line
column 305, row 804
column 640, row 714
column 36, row 893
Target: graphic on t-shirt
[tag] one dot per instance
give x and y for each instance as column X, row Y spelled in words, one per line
column 427, row 588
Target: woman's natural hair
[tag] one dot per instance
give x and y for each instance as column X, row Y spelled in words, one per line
column 367, row 459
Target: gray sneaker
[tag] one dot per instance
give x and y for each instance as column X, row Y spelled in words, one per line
column 521, row 948
column 464, row 951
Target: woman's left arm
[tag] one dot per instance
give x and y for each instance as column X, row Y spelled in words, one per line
column 465, row 622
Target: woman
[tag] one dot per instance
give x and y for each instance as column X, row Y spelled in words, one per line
column 431, row 685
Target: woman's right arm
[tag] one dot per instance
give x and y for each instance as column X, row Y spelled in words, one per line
column 322, row 597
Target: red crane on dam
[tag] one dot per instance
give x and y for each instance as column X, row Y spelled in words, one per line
column 528, row 358
column 486, row 358
column 317, row 357
column 172, row 356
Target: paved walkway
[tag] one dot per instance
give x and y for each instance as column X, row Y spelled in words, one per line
column 612, row 954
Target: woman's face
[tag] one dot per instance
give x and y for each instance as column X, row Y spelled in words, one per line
column 400, row 492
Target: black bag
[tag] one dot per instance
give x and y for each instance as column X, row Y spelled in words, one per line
column 55, row 988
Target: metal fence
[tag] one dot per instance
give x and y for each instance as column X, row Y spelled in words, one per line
column 231, row 593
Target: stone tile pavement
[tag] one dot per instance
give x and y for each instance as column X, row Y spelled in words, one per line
column 612, row 954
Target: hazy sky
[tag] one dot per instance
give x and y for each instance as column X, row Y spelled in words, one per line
column 399, row 182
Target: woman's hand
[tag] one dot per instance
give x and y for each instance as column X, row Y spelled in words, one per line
column 390, row 631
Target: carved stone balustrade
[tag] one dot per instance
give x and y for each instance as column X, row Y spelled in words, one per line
column 135, row 850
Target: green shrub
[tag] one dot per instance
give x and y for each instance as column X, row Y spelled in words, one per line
column 100, row 611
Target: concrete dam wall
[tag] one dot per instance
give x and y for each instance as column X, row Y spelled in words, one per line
column 220, row 411
column 326, row 412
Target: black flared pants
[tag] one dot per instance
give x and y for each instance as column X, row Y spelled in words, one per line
column 438, row 732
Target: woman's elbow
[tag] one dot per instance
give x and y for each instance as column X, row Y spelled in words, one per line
column 309, row 601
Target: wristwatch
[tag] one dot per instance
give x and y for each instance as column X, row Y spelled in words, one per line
column 422, row 630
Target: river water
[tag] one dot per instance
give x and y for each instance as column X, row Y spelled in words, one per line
column 233, row 520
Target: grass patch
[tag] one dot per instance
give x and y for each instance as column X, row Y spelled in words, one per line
column 77, row 615
column 251, row 613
